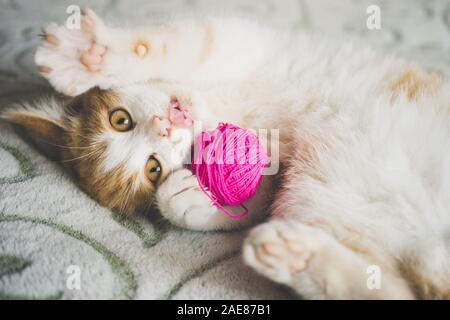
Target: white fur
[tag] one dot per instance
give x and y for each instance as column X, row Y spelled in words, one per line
column 381, row 168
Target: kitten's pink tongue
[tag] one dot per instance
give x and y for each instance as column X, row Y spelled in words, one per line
column 178, row 116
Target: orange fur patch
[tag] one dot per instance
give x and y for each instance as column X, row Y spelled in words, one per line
column 164, row 49
column 84, row 157
column 414, row 82
column 208, row 42
column 141, row 48
column 425, row 286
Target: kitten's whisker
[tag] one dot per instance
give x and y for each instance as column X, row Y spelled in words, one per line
column 81, row 157
column 65, row 147
column 79, row 134
column 131, row 190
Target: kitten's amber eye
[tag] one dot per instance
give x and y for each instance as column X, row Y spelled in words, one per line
column 153, row 169
column 120, row 120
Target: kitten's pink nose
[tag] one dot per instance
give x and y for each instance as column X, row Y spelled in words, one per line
column 161, row 125
column 178, row 114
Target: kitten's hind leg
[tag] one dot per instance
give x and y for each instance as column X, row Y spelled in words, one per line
column 314, row 264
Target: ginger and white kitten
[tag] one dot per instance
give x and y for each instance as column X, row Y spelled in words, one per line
column 364, row 145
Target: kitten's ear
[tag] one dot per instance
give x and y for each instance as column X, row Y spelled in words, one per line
column 43, row 119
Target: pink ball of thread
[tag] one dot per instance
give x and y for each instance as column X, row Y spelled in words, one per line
column 229, row 163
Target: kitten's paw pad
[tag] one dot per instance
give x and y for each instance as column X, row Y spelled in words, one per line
column 181, row 201
column 279, row 250
column 71, row 58
column 92, row 59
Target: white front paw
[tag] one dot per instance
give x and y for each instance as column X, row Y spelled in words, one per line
column 182, row 202
column 71, row 59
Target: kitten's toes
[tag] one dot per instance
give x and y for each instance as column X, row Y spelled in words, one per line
column 90, row 20
column 92, row 59
column 182, row 202
column 279, row 249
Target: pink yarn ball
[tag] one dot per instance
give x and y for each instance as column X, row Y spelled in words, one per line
column 229, row 162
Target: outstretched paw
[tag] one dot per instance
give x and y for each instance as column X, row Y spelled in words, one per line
column 71, row 59
column 279, row 249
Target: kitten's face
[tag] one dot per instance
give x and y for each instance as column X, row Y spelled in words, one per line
column 121, row 148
